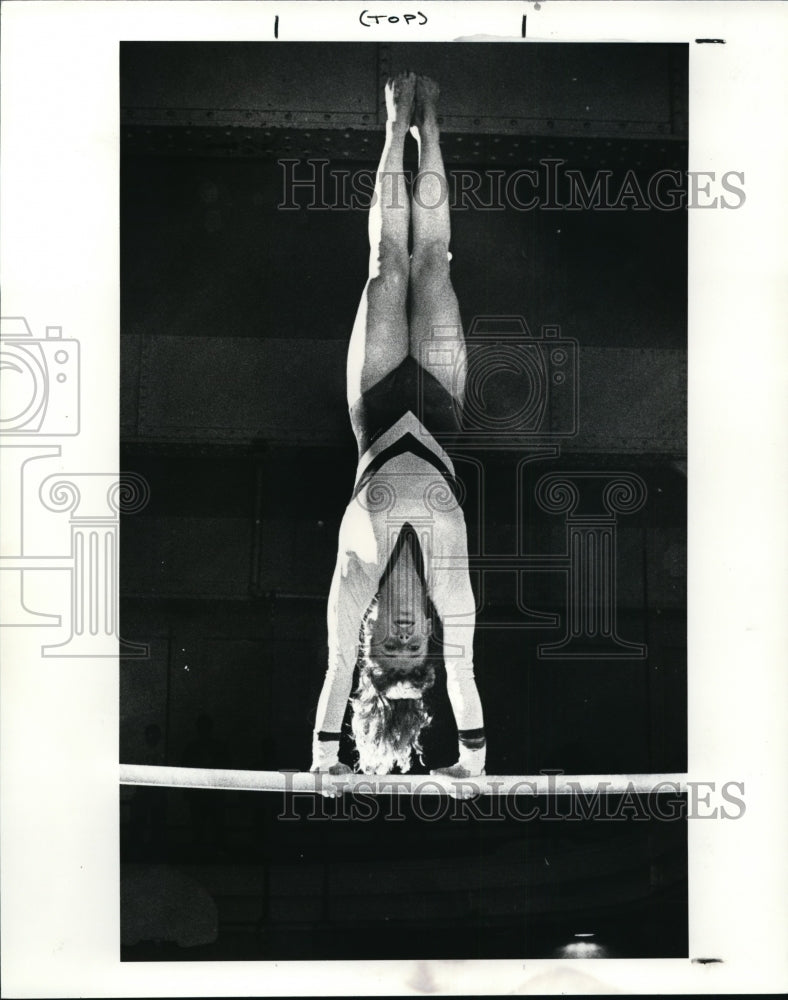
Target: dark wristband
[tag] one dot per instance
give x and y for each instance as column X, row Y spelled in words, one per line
column 474, row 739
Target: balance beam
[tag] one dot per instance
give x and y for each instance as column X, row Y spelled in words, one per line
column 402, row 784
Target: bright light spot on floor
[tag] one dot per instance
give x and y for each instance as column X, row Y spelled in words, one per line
column 583, row 947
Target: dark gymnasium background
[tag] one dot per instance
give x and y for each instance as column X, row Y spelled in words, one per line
column 235, row 315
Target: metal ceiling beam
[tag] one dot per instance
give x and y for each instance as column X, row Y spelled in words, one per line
column 506, row 149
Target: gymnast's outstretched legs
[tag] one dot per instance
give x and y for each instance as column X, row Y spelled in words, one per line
column 379, row 340
column 435, row 315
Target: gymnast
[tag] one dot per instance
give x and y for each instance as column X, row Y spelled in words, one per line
column 403, row 556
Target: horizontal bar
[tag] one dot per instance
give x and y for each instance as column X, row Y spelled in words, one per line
column 403, row 784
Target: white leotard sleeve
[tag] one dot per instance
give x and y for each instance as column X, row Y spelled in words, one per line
column 352, row 590
column 454, row 601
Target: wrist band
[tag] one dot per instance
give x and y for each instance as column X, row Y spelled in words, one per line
column 473, row 739
column 473, row 749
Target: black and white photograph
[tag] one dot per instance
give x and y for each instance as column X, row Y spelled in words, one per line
column 439, row 532
column 382, row 534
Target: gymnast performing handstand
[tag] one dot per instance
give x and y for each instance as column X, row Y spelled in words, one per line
column 403, row 556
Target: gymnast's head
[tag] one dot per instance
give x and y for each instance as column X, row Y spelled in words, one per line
column 398, row 629
column 396, row 670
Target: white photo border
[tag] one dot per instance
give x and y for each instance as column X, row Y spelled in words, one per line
column 59, row 264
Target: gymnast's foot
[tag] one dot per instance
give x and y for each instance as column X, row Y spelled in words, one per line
column 400, row 93
column 425, row 112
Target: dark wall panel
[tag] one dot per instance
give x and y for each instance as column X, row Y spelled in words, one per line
column 629, row 87
column 246, row 75
column 242, row 389
column 206, row 252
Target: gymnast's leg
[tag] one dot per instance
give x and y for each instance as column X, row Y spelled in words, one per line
column 379, row 340
column 435, row 315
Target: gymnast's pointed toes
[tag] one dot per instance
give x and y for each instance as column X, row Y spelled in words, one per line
column 400, row 92
column 427, row 90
